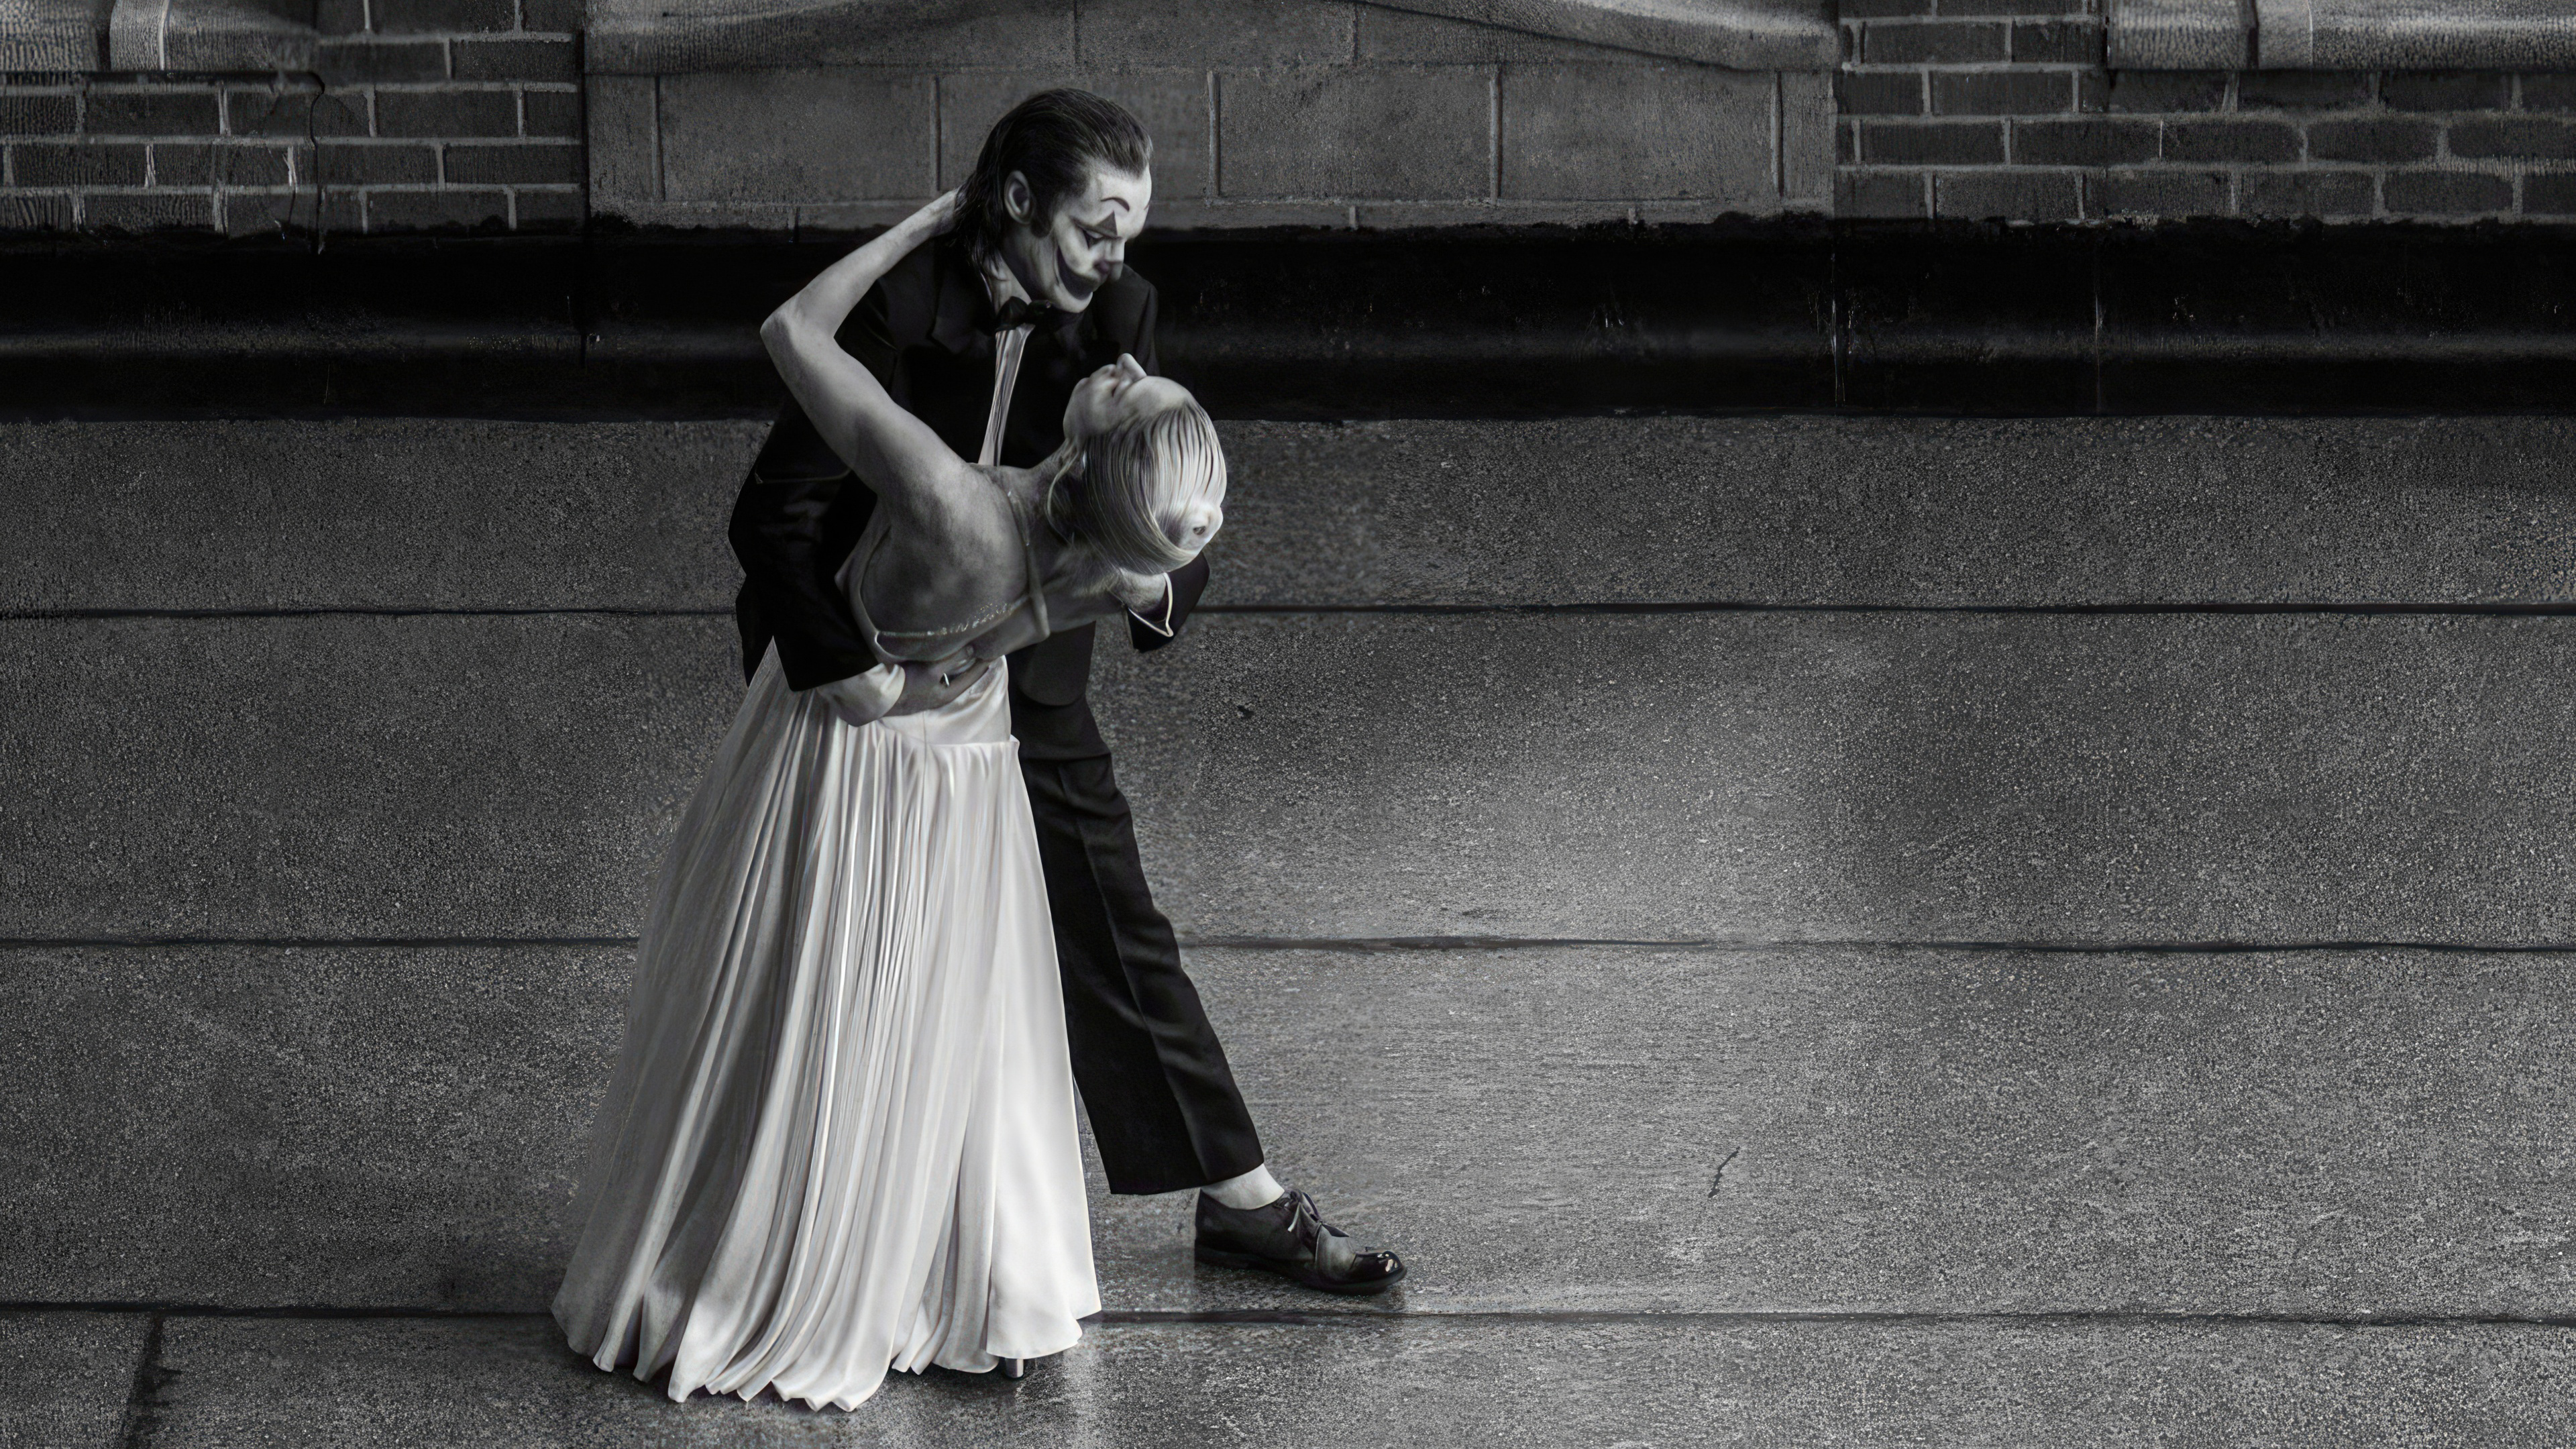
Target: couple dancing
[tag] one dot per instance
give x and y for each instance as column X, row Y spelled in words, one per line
column 903, row 916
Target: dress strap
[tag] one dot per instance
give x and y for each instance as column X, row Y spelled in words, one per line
column 854, row 572
column 1028, row 554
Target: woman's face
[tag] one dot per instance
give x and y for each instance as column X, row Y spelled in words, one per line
column 1119, row 393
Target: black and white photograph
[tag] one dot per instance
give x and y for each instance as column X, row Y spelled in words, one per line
column 1347, row 724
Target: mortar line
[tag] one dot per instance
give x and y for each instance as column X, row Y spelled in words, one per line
column 1346, row 1317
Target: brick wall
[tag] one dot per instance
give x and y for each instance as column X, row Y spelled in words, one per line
column 420, row 114
column 2003, row 108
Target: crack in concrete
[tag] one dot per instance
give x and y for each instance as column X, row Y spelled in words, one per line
column 1718, row 1179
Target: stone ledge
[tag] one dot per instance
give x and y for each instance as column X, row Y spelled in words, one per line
column 2177, row 35
column 664, row 37
column 53, row 36
column 1738, row 34
column 2342, row 35
column 212, row 35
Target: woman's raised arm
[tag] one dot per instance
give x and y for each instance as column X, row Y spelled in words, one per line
column 893, row 452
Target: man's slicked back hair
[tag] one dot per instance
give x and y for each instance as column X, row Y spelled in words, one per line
column 1053, row 138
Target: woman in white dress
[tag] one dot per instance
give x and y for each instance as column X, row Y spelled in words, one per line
column 840, row 1137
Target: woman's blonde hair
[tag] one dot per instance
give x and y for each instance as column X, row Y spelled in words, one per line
column 1153, row 489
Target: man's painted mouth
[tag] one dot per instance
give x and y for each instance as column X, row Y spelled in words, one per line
column 1074, row 284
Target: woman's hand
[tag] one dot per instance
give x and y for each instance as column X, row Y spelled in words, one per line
column 864, row 696
column 1139, row 593
column 892, row 689
column 928, row 686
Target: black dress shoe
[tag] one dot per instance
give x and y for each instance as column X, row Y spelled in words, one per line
column 1291, row 1239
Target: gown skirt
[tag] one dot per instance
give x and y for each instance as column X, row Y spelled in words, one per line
column 840, row 1137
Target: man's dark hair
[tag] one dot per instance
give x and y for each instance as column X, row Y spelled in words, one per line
column 1053, row 138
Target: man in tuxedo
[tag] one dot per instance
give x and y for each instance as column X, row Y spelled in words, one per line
column 982, row 334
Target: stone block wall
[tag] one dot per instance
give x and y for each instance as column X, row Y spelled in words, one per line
column 1312, row 112
column 2006, row 109
column 420, row 114
column 481, row 115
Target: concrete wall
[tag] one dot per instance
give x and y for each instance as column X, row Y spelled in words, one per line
column 1306, row 112
column 1994, row 787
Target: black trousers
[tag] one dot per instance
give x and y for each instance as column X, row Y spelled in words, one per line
column 1162, row 1101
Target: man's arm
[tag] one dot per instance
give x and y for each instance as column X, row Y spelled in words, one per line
column 895, row 453
column 778, row 534
column 1151, row 623
column 1156, row 624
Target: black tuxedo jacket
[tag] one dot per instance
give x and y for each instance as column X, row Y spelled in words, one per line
column 925, row 331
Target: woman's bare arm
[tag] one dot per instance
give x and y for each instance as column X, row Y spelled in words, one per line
column 893, row 452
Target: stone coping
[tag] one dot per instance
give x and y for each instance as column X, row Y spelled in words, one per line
column 53, row 35
column 663, row 37
column 157, row 36
column 2342, row 35
column 212, row 35
column 666, row 37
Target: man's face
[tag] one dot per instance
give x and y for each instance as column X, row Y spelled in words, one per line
column 1063, row 259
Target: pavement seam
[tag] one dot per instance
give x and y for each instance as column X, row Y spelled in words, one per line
column 149, row 1375
column 2502, row 608
column 389, row 611
column 1713, row 945
column 2518, row 609
column 1964, row 945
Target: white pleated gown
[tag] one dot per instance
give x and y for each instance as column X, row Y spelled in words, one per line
column 840, row 1138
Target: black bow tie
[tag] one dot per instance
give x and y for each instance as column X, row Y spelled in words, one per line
column 1021, row 312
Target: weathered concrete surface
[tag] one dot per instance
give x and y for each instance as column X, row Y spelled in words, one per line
column 1873, row 777
column 403, row 514
column 1694, row 776
column 1793, row 1130
column 69, row 1377
column 1905, row 511
column 508, row 1382
column 370, row 777
column 410, row 513
column 267, row 1126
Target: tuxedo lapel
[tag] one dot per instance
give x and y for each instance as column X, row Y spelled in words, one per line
column 958, row 295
